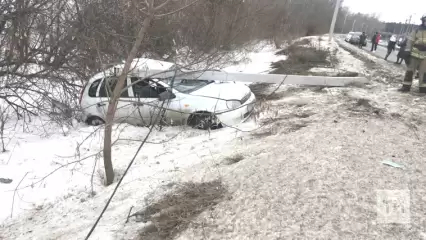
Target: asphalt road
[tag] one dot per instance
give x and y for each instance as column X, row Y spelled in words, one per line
column 381, row 52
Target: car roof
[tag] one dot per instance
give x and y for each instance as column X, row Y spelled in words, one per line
column 141, row 67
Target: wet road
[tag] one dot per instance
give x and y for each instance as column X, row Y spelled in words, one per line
column 381, row 52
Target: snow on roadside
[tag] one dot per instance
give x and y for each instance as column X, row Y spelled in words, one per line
column 268, row 184
column 255, row 57
column 48, row 208
column 346, row 62
column 321, row 181
column 60, row 174
column 258, row 61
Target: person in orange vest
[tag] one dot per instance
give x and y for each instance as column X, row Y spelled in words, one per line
column 415, row 55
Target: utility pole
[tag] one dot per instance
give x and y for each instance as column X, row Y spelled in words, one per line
column 333, row 22
column 403, row 27
column 353, row 25
column 409, row 25
column 344, row 22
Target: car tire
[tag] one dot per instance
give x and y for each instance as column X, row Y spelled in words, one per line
column 95, row 121
column 203, row 121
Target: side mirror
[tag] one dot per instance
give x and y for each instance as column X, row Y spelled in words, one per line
column 166, row 95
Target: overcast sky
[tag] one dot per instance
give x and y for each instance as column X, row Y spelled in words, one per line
column 389, row 10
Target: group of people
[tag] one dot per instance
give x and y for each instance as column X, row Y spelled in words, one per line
column 412, row 51
column 374, row 40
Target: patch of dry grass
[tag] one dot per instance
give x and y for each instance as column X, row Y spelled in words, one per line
column 364, row 107
column 233, row 159
column 301, row 59
column 174, row 212
column 301, row 42
column 262, row 134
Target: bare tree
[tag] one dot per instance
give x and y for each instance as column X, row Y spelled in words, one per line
column 151, row 11
column 4, row 117
column 37, row 55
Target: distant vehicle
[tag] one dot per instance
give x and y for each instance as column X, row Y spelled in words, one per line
column 349, row 36
column 199, row 103
column 354, row 38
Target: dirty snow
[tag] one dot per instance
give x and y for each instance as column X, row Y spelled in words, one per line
column 347, row 63
column 311, row 167
column 258, row 61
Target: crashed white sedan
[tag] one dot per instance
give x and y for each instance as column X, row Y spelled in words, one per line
column 155, row 92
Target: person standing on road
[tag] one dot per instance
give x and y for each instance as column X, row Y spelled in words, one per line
column 400, row 57
column 378, row 37
column 415, row 52
column 391, row 46
column 362, row 40
column 373, row 41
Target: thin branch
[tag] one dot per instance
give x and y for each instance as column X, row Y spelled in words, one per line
column 177, row 10
column 14, row 193
column 159, row 7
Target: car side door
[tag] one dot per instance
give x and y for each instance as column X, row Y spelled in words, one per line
column 146, row 94
column 124, row 104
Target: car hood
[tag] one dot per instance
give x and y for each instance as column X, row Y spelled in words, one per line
column 225, row 91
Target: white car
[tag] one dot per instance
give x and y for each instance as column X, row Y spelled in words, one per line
column 349, row 36
column 199, row 103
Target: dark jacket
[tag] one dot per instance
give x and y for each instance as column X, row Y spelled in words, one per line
column 391, row 45
column 403, row 46
column 362, row 38
column 374, row 38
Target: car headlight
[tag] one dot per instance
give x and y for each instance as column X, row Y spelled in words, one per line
column 233, row 104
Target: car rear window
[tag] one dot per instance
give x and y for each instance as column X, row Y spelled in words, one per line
column 94, row 88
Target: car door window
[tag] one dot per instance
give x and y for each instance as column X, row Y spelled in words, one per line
column 146, row 88
column 94, row 88
column 106, row 90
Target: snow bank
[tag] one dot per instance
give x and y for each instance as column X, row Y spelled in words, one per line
column 309, row 168
column 56, row 173
column 258, row 61
column 345, row 61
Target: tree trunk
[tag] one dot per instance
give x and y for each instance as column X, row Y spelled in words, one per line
column 109, row 170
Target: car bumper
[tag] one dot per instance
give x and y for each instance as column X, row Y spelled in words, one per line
column 238, row 115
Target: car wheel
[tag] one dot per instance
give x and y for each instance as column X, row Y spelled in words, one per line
column 204, row 121
column 95, row 121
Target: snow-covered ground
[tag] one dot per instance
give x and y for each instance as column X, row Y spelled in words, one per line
column 257, row 61
column 58, row 171
column 308, row 167
column 347, row 63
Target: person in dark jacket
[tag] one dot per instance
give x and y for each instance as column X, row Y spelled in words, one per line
column 373, row 41
column 391, row 46
column 362, row 40
column 400, row 57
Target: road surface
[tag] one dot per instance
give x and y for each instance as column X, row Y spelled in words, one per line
column 381, row 52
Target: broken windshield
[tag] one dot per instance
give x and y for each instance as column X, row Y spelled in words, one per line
column 187, row 85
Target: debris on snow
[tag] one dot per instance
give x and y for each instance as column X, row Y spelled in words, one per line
column 173, row 213
column 393, row 164
column 5, row 180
